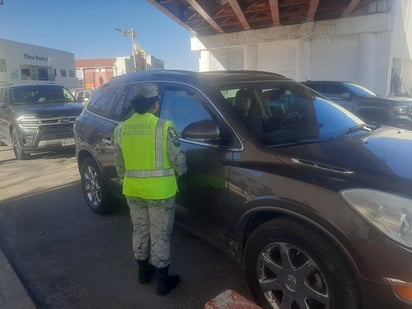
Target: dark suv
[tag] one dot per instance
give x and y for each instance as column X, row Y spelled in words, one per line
column 393, row 111
column 314, row 204
column 37, row 117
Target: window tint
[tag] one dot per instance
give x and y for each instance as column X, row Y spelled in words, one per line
column 332, row 118
column 285, row 112
column 36, row 94
column 183, row 107
column 360, row 90
column 329, row 89
column 123, row 108
column 103, row 100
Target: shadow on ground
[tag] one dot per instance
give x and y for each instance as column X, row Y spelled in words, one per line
column 69, row 257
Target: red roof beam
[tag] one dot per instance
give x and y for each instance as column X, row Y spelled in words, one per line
column 199, row 9
column 239, row 14
column 274, row 11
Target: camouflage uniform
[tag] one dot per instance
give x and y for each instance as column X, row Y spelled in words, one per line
column 153, row 219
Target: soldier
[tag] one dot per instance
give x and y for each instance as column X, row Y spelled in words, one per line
column 148, row 159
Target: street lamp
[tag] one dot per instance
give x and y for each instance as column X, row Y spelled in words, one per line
column 130, row 34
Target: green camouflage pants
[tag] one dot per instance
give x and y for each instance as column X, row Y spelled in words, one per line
column 152, row 228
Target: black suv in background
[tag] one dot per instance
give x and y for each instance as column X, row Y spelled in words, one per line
column 37, row 117
column 314, row 204
column 393, row 111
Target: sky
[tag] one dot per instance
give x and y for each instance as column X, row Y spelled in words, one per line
column 86, row 28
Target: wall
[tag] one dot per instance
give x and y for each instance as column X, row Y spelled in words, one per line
column 96, row 77
column 40, row 63
column 356, row 48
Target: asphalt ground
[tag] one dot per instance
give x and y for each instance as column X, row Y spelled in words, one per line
column 58, row 254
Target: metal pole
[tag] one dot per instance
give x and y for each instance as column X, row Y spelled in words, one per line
column 130, row 34
column 404, row 47
column 133, row 34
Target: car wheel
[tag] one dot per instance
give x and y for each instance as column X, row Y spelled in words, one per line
column 17, row 148
column 289, row 265
column 94, row 189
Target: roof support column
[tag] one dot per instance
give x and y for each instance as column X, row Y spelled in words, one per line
column 366, row 59
column 204, row 61
column 303, row 60
column 250, row 57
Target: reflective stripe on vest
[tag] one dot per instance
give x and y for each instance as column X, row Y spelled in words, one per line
column 154, row 173
column 118, row 134
column 159, row 171
column 159, row 144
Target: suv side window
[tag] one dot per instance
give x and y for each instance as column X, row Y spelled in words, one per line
column 123, row 108
column 333, row 90
column 184, row 106
column 103, row 101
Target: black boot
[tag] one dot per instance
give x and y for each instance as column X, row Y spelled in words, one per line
column 166, row 283
column 145, row 271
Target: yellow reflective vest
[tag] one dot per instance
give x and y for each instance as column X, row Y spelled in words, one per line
column 148, row 171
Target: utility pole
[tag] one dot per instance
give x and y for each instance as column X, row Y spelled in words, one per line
column 130, row 34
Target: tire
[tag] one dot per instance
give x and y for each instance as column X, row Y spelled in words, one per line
column 289, row 265
column 17, row 147
column 94, row 188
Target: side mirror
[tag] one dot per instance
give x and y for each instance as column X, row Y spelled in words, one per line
column 201, row 131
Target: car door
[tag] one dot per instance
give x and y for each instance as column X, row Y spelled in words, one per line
column 95, row 127
column 202, row 192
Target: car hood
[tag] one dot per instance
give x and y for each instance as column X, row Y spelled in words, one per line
column 380, row 158
column 48, row 110
column 386, row 100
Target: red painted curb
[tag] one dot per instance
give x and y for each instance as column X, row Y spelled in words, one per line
column 230, row 299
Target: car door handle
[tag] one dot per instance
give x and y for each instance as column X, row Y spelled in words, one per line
column 107, row 141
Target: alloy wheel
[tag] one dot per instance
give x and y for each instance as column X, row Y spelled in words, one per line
column 290, row 279
column 92, row 186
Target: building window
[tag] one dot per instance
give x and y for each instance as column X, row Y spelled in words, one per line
column 25, row 74
column 54, row 72
column 63, row 73
column 43, row 74
column 71, row 73
column 3, row 65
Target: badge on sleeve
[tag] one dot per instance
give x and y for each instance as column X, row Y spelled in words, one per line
column 173, row 136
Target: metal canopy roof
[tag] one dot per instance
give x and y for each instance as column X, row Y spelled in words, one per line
column 207, row 17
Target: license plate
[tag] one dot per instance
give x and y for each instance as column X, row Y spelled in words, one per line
column 67, row 141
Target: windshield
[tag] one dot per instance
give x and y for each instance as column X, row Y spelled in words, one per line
column 360, row 90
column 39, row 94
column 286, row 112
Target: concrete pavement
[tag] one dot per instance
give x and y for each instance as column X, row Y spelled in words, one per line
column 12, row 292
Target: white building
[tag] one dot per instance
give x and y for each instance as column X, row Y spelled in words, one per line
column 25, row 63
